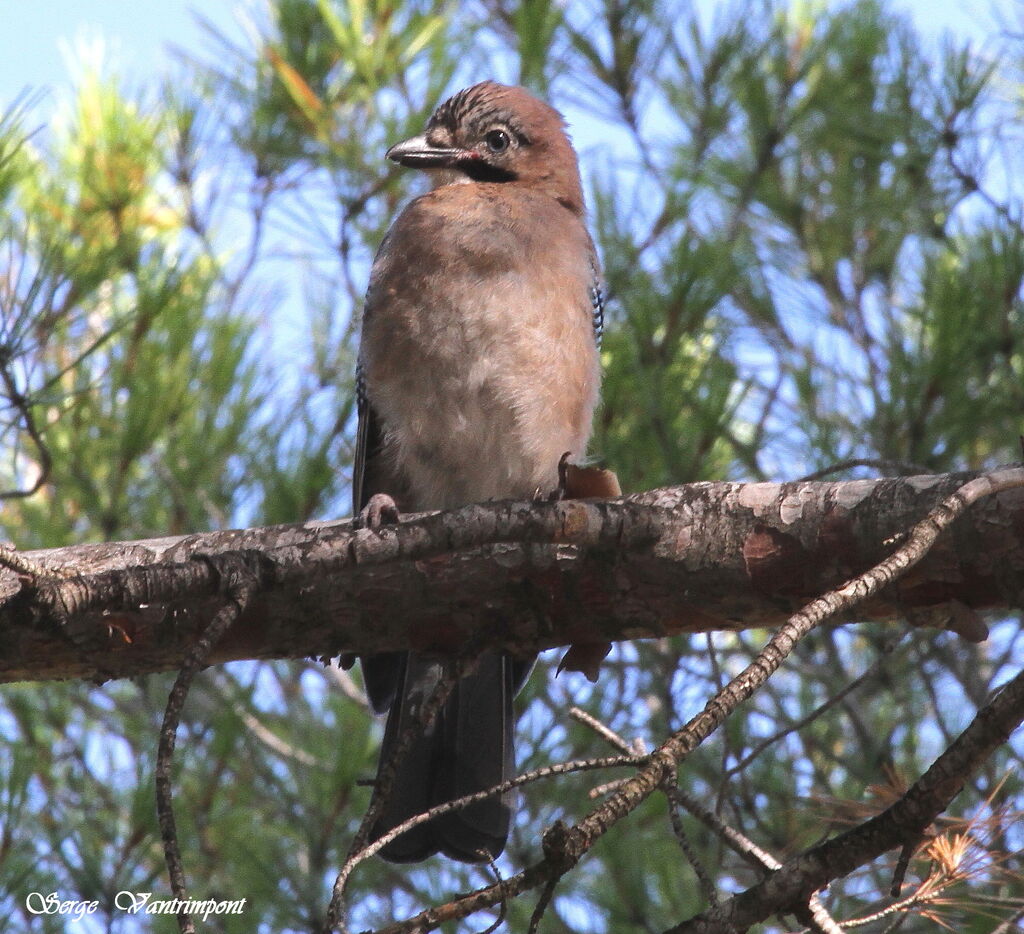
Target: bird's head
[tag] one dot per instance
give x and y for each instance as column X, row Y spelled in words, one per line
column 495, row 133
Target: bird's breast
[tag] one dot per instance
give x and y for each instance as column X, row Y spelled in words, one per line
column 482, row 373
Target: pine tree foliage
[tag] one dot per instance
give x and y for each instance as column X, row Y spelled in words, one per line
column 813, row 250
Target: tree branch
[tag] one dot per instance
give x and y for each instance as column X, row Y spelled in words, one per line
column 708, row 556
column 564, row 846
column 798, row 878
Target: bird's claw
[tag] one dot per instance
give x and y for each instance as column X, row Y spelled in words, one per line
column 380, row 510
column 561, row 491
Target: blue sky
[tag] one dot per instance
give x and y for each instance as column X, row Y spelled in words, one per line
column 140, row 33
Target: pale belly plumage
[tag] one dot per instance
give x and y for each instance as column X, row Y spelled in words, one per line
column 481, row 411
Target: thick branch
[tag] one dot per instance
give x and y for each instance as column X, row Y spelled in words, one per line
column 684, row 559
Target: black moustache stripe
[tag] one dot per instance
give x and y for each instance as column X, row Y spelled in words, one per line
column 483, row 172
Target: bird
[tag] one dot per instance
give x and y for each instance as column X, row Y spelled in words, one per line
column 478, row 372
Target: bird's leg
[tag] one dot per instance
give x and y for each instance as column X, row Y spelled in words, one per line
column 380, row 509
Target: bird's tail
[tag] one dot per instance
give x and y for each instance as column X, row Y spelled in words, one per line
column 467, row 748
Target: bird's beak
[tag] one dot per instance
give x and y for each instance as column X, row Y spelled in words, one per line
column 417, row 153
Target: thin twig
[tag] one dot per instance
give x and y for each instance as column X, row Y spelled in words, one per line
column 836, row 698
column 23, row 406
column 817, row 919
column 271, row 740
column 607, row 733
column 672, row 792
column 348, row 686
column 739, row 843
column 902, row 865
column 389, row 769
column 546, row 894
column 901, row 909
column 240, row 585
column 606, row 788
column 902, row 820
column 386, row 773
column 706, row 883
column 503, row 904
column 547, row 771
column 743, row 846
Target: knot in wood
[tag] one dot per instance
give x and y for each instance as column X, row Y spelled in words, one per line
column 560, row 846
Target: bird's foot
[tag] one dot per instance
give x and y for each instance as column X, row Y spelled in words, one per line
column 380, row 509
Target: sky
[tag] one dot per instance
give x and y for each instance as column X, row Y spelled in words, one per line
column 140, row 34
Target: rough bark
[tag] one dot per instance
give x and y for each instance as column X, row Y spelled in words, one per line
column 524, row 576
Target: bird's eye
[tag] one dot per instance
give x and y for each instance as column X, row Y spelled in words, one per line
column 497, row 140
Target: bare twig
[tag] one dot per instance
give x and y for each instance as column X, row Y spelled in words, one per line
column 707, row 885
column 900, row 909
column 606, row 788
column 836, row 698
column 348, row 686
column 270, row 739
column 23, row 406
column 239, row 585
column 389, row 769
column 902, row 865
column 548, row 771
column 817, row 919
column 672, row 792
column 634, row 748
column 739, row 843
column 336, row 910
column 503, row 904
column 546, row 894
column 736, row 841
column 902, row 821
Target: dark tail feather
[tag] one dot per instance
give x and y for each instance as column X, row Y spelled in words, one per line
column 477, row 754
column 467, row 749
column 410, row 792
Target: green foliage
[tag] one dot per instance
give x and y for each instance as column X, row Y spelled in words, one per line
column 121, row 341
column 811, row 254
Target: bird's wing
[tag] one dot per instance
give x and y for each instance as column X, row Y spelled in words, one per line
column 372, row 471
column 596, row 301
column 367, row 442
column 381, row 673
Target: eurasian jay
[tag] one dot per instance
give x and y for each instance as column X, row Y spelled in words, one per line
column 478, row 370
